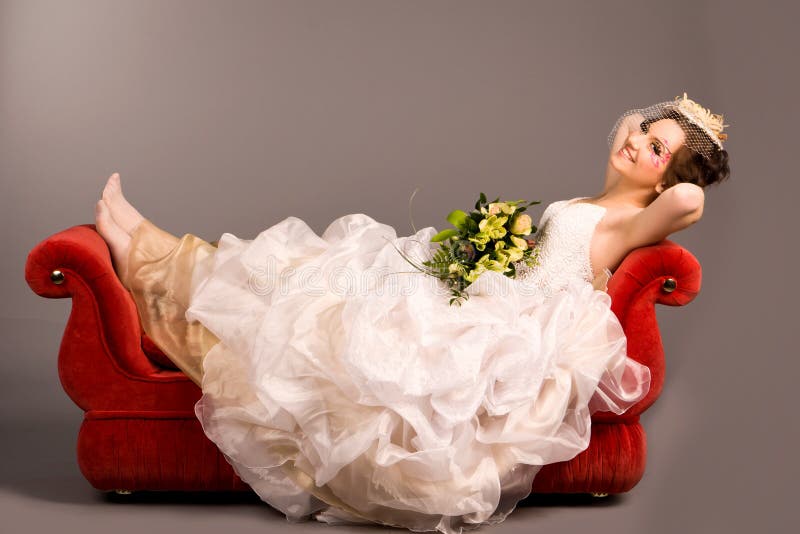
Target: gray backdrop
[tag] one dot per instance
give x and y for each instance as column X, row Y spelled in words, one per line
column 229, row 116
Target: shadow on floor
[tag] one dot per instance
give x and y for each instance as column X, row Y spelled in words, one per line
column 570, row 500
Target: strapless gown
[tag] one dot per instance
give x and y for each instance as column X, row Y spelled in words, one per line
column 346, row 389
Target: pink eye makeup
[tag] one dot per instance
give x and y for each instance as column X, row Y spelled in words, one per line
column 659, row 153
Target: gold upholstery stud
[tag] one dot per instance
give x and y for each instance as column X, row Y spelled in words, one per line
column 669, row 285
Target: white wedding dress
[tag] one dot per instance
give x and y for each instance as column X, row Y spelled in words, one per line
column 345, row 388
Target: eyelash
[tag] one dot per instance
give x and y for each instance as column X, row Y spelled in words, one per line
column 657, row 149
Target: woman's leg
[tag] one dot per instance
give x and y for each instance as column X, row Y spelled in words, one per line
column 159, row 275
column 158, row 269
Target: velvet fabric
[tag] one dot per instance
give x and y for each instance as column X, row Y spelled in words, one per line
column 140, row 431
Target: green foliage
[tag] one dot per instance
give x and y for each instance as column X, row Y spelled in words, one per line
column 444, row 234
column 441, row 260
column 461, row 247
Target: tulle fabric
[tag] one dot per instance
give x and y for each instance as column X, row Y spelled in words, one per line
column 346, row 388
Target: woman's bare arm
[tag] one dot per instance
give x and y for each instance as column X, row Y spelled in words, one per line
column 673, row 210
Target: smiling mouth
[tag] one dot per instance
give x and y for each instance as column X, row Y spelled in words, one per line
column 626, row 153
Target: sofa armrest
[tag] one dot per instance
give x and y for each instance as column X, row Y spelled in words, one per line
column 101, row 362
column 664, row 273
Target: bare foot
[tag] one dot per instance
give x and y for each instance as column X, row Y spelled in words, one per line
column 125, row 216
column 118, row 240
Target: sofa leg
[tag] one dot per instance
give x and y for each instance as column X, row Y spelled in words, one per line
column 599, row 494
column 123, row 492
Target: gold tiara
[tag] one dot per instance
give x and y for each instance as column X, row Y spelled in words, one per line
column 711, row 123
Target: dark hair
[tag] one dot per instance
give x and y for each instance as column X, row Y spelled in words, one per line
column 686, row 165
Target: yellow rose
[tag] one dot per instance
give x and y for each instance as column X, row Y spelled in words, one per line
column 514, row 254
column 521, row 224
column 509, row 254
column 501, row 207
column 519, row 242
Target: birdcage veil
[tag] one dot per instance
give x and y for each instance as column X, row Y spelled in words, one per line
column 703, row 129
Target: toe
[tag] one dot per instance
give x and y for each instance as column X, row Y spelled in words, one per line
column 103, row 216
column 113, row 180
column 113, row 188
column 109, row 191
column 100, row 216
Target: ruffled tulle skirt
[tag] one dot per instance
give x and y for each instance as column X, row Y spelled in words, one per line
column 346, row 388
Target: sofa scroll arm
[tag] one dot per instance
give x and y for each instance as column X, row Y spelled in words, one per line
column 76, row 263
column 663, row 273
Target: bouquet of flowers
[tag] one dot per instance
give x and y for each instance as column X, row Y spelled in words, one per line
column 493, row 237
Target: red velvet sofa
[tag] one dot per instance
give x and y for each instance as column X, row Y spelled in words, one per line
column 139, row 430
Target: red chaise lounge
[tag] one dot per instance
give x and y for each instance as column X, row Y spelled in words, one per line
column 139, row 430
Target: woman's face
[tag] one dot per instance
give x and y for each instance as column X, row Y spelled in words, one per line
column 644, row 155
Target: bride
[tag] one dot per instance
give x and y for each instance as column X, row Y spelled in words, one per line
column 341, row 387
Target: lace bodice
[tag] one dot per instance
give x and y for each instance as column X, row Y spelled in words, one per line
column 563, row 239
